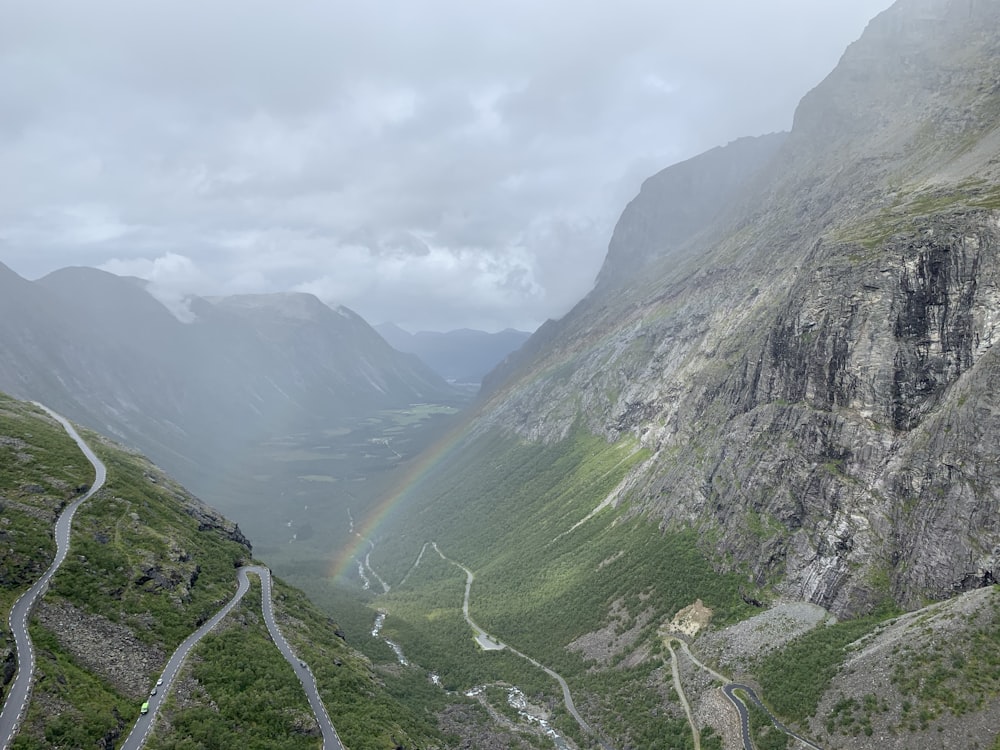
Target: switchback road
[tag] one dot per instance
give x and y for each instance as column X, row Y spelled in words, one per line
column 140, row 731
column 20, row 689
column 729, row 688
column 741, row 708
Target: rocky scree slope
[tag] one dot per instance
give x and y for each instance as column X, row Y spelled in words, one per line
column 814, row 370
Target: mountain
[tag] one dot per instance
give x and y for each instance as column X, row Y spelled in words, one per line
column 679, row 203
column 460, row 356
column 86, row 339
column 781, row 391
column 202, row 397
column 149, row 564
column 817, row 356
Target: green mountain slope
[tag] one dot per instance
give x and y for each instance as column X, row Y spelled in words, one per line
column 795, row 403
column 148, row 563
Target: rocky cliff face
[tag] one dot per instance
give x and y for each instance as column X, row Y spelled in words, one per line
column 814, row 369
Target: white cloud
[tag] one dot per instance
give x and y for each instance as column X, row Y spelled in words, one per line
column 438, row 164
column 172, row 279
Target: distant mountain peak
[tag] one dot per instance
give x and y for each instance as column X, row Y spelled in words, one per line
column 464, row 355
column 295, row 305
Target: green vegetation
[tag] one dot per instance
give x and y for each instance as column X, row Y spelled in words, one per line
column 710, row 740
column 139, row 555
column 308, row 486
column 957, row 676
column 41, row 469
column 246, row 696
column 907, row 211
column 766, row 736
column 633, row 710
column 795, row 677
column 507, row 514
column 88, row 709
column 149, row 558
column 369, row 713
column 854, row 717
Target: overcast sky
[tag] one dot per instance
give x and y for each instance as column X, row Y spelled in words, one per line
column 439, row 164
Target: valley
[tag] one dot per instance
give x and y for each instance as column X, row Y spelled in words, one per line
column 744, row 493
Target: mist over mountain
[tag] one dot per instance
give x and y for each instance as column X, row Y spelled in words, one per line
column 801, row 356
column 104, row 351
column 460, row 356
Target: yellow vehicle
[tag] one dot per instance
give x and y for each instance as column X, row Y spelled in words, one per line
column 145, row 708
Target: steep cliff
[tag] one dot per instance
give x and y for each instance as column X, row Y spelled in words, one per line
column 819, row 356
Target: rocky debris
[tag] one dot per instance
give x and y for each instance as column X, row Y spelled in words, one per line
column 740, row 645
column 178, row 579
column 715, row 710
column 46, row 514
column 9, row 663
column 210, row 520
column 111, row 737
column 473, row 733
column 869, row 705
column 304, row 723
column 108, row 649
column 611, row 641
column 813, row 370
column 690, row 619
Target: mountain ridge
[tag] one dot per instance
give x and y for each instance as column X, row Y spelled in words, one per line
column 800, row 315
column 463, row 355
column 105, row 352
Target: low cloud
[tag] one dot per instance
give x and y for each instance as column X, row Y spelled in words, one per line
column 440, row 164
column 172, row 279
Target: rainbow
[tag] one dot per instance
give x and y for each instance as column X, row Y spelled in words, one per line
column 424, row 463
column 411, row 478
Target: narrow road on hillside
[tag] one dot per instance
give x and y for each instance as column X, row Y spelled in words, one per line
column 489, row 642
column 137, row 737
column 675, row 672
column 741, row 708
column 728, row 689
column 20, row 689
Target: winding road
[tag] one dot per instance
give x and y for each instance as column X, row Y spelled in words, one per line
column 676, row 674
column 728, row 688
column 20, row 689
column 140, row 731
column 490, row 642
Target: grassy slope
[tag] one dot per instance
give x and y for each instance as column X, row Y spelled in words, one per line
column 40, row 469
column 140, row 525
column 501, row 513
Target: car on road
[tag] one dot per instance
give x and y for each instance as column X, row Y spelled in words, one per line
column 153, row 691
column 145, row 708
column 159, row 682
